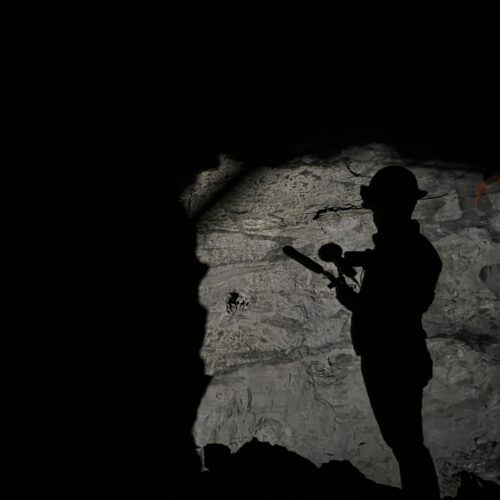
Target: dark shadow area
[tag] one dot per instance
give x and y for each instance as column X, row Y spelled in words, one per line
column 128, row 378
column 472, row 487
column 272, row 127
column 259, row 468
column 136, row 378
column 400, row 275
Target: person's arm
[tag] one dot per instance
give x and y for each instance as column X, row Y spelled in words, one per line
column 347, row 296
column 358, row 259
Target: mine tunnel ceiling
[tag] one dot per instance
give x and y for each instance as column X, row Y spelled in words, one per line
column 264, row 124
column 267, row 132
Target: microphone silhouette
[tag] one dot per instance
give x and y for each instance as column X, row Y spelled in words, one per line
column 331, row 252
column 310, row 264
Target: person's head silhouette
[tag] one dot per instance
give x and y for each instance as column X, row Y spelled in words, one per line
column 391, row 195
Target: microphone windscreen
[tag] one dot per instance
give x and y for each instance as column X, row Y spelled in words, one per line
column 330, row 252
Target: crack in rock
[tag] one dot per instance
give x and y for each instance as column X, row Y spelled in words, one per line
column 325, row 210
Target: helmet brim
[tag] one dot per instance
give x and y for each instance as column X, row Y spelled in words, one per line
column 371, row 197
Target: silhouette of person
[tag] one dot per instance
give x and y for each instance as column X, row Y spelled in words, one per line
column 399, row 279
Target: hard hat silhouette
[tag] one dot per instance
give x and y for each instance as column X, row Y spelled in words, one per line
column 391, row 186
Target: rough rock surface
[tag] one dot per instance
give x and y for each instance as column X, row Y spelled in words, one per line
column 277, row 341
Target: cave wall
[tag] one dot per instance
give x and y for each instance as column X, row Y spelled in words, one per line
column 277, row 342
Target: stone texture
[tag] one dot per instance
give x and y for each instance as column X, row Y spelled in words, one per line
column 277, row 341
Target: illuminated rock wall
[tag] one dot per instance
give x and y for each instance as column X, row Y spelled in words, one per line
column 278, row 343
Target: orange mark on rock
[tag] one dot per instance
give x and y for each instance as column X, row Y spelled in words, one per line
column 483, row 186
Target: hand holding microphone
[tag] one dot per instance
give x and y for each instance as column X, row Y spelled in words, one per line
column 331, row 252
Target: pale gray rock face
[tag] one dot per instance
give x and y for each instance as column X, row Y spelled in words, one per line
column 278, row 344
